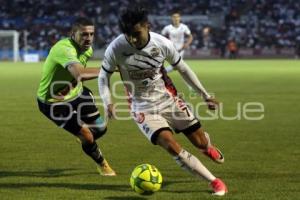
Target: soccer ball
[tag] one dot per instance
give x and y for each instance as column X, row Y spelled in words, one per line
column 145, row 179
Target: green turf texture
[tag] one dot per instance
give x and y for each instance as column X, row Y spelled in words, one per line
column 40, row 161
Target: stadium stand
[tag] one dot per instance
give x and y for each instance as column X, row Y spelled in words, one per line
column 256, row 25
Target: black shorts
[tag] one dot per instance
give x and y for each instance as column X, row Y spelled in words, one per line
column 71, row 115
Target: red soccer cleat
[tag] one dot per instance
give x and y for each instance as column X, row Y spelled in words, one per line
column 219, row 187
column 215, row 154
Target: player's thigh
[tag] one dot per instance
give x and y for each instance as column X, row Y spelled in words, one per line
column 84, row 114
column 86, row 108
column 151, row 125
column 88, row 113
column 62, row 114
column 181, row 118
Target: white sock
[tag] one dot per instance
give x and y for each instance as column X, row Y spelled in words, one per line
column 192, row 164
column 169, row 68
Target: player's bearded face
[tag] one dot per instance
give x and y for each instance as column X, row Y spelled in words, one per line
column 139, row 36
column 84, row 37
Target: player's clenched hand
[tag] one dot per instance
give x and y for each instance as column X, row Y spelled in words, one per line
column 110, row 111
column 212, row 103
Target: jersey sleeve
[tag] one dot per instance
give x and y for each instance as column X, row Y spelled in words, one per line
column 172, row 55
column 187, row 31
column 109, row 61
column 65, row 55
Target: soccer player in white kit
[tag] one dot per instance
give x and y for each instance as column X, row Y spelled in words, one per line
column 157, row 110
column 177, row 32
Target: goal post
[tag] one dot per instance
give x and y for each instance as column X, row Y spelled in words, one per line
column 9, row 45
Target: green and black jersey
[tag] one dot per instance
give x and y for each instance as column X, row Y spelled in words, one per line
column 55, row 75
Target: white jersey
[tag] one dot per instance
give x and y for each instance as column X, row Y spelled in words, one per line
column 142, row 71
column 176, row 34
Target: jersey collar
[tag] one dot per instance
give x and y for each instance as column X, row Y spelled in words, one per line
column 76, row 46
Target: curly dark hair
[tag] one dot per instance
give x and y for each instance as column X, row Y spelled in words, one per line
column 132, row 16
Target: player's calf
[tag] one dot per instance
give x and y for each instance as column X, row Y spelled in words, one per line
column 193, row 165
column 92, row 150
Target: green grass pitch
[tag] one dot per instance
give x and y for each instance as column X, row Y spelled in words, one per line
column 40, row 161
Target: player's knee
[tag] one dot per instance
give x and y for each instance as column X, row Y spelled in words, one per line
column 86, row 136
column 167, row 141
column 99, row 128
column 98, row 132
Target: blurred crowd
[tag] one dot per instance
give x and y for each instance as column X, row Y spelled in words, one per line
column 253, row 24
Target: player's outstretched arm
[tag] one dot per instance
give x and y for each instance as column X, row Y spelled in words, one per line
column 104, row 91
column 82, row 74
column 190, row 77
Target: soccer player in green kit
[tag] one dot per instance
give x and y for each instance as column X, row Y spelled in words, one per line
column 63, row 99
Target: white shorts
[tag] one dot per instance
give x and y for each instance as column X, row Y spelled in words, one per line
column 176, row 116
